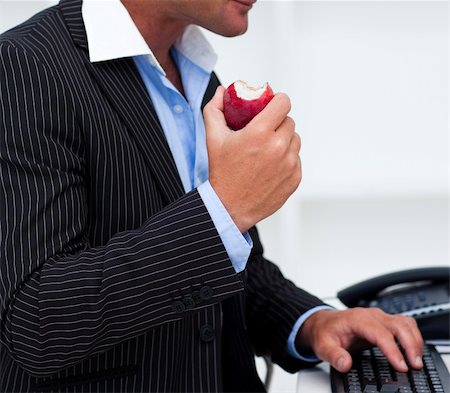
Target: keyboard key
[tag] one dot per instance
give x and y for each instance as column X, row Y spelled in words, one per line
column 389, row 389
column 372, row 373
column 370, row 389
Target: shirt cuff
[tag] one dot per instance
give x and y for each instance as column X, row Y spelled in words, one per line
column 291, row 349
column 238, row 245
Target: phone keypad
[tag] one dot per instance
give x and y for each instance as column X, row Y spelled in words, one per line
column 406, row 300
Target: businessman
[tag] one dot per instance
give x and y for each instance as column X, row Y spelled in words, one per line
column 130, row 261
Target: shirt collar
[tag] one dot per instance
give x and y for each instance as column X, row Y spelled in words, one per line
column 112, row 34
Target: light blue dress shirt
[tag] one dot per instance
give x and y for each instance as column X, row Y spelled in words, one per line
column 182, row 122
column 183, row 125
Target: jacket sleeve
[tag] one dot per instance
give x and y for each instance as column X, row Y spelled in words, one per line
column 62, row 300
column 273, row 305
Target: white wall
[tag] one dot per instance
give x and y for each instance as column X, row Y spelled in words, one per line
column 369, row 86
column 368, row 81
column 13, row 12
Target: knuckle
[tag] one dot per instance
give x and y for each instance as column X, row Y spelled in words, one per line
column 410, row 321
column 377, row 311
column 357, row 313
column 259, row 129
column 278, row 146
column 413, row 323
column 360, row 310
column 285, row 100
column 292, row 163
column 297, row 177
column 297, row 143
column 290, row 122
column 402, row 322
column 294, row 180
column 299, row 139
column 368, row 314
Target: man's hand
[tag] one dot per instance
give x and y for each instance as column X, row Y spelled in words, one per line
column 333, row 334
column 255, row 170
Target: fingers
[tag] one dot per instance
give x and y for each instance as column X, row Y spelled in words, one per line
column 338, row 357
column 387, row 344
column 404, row 330
column 217, row 101
column 327, row 333
column 335, row 334
column 286, row 138
column 286, row 129
column 409, row 337
column 384, row 330
column 213, row 112
column 271, row 117
column 296, row 143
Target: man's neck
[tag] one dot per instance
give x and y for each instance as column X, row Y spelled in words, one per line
column 160, row 32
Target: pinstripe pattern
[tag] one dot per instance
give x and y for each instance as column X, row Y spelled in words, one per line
column 99, row 242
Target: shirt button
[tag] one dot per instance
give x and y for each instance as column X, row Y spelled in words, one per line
column 178, row 108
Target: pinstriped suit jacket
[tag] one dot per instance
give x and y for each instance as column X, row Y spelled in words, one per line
column 112, row 279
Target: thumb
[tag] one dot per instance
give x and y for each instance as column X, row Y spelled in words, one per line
column 339, row 358
column 213, row 112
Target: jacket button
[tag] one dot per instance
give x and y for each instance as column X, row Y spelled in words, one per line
column 189, row 302
column 178, row 306
column 206, row 293
column 206, row 333
column 196, row 296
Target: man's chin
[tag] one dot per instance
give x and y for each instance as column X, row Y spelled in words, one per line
column 236, row 28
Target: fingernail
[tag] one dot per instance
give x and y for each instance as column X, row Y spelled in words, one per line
column 403, row 365
column 340, row 364
column 419, row 362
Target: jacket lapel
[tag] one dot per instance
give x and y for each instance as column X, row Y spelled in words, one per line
column 121, row 83
column 211, row 89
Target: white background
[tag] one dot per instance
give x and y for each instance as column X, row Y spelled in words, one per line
column 368, row 82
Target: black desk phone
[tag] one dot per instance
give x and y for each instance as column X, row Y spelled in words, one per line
column 421, row 293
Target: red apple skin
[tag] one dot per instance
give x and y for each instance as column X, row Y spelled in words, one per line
column 238, row 111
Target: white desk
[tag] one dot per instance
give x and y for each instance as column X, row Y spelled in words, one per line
column 317, row 379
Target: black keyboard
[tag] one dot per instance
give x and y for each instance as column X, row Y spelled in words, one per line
column 372, row 373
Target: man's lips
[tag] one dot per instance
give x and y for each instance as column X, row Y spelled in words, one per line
column 246, row 3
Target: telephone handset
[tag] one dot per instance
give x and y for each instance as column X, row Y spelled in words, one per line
column 421, row 293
